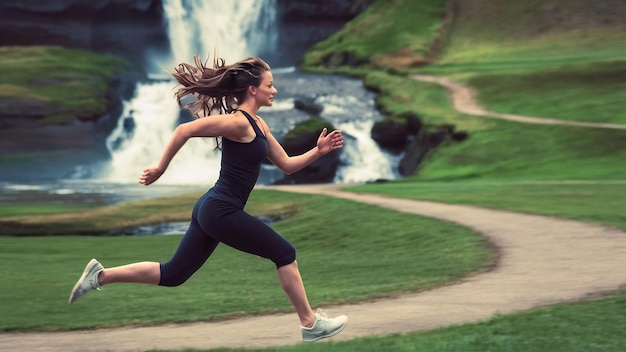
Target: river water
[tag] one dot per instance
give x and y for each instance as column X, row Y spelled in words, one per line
column 346, row 104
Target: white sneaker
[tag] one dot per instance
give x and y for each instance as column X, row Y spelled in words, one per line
column 88, row 281
column 323, row 327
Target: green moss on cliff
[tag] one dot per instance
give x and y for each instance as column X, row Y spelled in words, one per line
column 54, row 84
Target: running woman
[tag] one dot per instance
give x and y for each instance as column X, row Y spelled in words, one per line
column 226, row 98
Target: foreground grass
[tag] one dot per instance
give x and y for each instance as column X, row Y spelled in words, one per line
column 574, row 327
column 336, row 241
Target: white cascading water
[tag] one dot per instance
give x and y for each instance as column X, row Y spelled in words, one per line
column 362, row 158
column 195, row 27
column 235, row 29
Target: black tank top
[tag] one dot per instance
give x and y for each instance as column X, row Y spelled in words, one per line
column 240, row 166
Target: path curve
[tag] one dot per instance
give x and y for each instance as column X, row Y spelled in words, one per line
column 543, row 261
column 464, row 100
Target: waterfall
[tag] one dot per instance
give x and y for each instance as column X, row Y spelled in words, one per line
column 235, row 29
column 361, row 157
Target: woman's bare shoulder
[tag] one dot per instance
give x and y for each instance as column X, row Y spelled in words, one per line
column 264, row 125
column 235, row 119
column 232, row 126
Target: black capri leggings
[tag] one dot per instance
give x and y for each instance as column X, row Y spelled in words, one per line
column 214, row 221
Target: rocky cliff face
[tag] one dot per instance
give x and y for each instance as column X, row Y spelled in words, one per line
column 304, row 23
column 128, row 28
column 132, row 28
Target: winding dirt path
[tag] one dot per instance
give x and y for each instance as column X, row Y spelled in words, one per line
column 543, row 261
column 464, row 100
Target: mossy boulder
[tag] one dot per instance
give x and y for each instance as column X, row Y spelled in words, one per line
column 47, row 89
column 301, row 139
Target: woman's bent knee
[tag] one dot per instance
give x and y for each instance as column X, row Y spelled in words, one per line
column 287, row 258
column 171, row 278
column 172, row 282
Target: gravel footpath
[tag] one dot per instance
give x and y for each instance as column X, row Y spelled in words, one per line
column 464, row 100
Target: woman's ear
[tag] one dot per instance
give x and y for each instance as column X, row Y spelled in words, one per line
column 252, row 90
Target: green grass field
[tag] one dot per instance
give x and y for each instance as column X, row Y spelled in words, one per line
column 336, row 242
column 541, row 58
column 581, row 91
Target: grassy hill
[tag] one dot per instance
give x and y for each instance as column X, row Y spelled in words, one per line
column 557, row 58
column 560, row 31
column 38, row 82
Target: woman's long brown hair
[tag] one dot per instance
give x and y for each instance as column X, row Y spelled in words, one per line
column 218, row 89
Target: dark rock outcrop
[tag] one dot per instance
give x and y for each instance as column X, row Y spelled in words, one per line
column 409, row 135
column 427, row 140
column 127, row 28
column 303, row 23
column 393, row 133
column 301, row 139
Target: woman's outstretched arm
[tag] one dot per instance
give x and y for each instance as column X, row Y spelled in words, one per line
column 177, row 140
column 212, row 126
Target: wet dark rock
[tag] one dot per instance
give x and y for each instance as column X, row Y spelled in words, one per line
column 301, row 139
column 414, row 123
column 394, row 133
column 390, row 134
column 308, row 105
column 460, row 136
column 409, row 135
column 335, row 60
column 424, row 142
column 434, row 139
column 295, row 11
